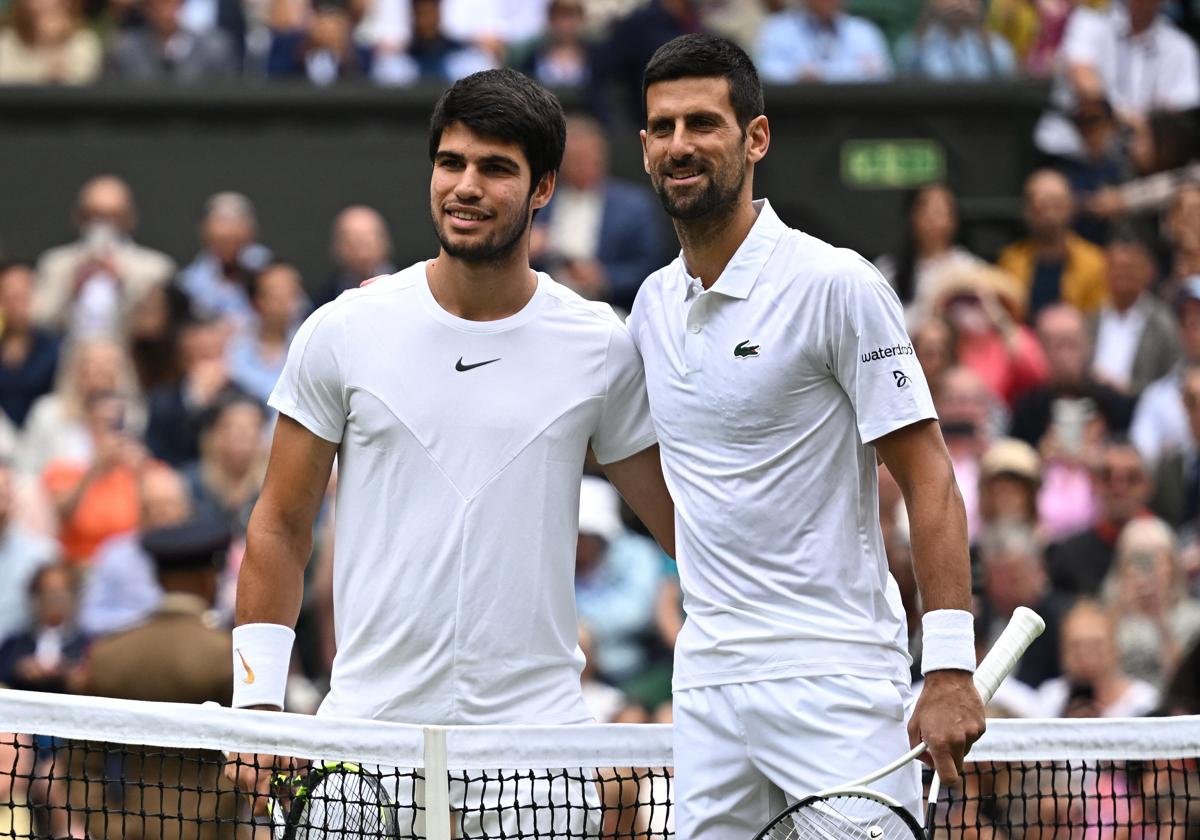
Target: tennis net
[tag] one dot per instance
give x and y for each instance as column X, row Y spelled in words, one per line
column 99, row 768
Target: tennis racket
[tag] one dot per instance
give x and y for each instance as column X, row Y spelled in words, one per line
column 322, row 799
column 331, row 799
column 855, row 812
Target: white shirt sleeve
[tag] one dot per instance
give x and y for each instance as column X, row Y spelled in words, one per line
column 311, row 389
column 1083, row 37
column 1181, row 88
column 625, row 427
column 872, row 356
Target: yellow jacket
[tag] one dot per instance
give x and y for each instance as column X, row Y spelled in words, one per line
column 1083, row 280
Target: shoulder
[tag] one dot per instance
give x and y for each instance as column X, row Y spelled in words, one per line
column 364, row 302
column 1171, row 37
column 860, row 27
column 58, row 255
column 800, row 260
column 665, row 281
column 150, row 258
column 1086, row 253
column 562, row 302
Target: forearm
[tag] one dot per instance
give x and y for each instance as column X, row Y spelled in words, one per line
column 938, row 524
column 271, row 579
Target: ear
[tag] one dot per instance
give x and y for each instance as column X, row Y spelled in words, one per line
column 758, row 139
column 645, row 154
column 544, row 191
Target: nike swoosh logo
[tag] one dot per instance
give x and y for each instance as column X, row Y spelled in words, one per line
column 459, row 366
column 249, row 678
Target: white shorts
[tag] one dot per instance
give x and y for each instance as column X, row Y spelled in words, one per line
column 744, row 751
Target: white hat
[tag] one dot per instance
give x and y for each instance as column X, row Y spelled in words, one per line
column 599, row 509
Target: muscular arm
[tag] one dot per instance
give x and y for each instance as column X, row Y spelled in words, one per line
column 640, row 482
column 278, row 544
column 279, row 536
column 916, row 457
column 949, row 715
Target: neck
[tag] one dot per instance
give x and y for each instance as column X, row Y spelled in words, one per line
column 710, row 243
column 482, row 291
column 1051, row 245
column 1109, row 688
column 272, row 334
column 1124, row 304
column 925, row 250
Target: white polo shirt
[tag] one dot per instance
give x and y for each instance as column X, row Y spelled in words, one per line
column 461, row 445
column 766, row 391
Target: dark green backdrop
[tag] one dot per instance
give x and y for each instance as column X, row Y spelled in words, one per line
column 302, row 154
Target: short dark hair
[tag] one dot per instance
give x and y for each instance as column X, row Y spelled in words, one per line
column 705, row 56
column 505, row 105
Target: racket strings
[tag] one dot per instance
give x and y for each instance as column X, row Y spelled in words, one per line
column 842, row 818
column 345, row 804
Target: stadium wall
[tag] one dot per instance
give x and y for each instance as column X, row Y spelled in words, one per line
column 839, row 162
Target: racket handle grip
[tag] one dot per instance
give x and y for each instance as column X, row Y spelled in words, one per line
column 1024, row 626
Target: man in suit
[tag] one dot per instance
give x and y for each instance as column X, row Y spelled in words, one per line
column 177, row 655
column 1135, row 337
column 599, row 235
column 89, row 287
column 163, row 48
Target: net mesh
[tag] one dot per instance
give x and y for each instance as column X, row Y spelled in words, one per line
column 88, row 768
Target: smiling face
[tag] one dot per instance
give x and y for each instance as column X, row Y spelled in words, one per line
column 480, row 196
column 695, row 152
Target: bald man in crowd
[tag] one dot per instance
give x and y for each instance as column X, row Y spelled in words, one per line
column 1053, row 262
column 361, row 248
column 89, row 286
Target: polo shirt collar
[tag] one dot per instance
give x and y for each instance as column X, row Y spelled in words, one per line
column 748, row 260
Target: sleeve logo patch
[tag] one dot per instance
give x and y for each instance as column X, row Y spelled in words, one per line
column 887, row 352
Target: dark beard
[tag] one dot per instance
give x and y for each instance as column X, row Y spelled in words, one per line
column 717, row 196
column 493, row 250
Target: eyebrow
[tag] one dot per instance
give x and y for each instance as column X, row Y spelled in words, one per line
column 486, row 159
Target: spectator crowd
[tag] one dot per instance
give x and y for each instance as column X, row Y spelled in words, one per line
column 1065, row 367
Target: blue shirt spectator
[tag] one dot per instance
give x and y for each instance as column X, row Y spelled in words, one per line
column 616, row 583
column 255, row 355
column 821, row 43
column 22, row 554
column 121, row 589
column 217, row 280
column 951, row 43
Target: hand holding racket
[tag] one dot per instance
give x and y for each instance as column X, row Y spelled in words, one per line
column 854, row 811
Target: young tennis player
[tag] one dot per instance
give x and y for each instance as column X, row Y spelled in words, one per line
column 460, row 397
column 779, row 370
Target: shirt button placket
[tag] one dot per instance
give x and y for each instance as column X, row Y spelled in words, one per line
column 693, row 340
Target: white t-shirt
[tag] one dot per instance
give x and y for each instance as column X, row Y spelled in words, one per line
column 461, row 445
column 1156, row 70
column 1117, row 337
column 766, row 391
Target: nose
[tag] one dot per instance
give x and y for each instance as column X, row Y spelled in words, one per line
column 469, row 187
column 681, row 145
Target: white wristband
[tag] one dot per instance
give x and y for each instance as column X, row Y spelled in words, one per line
column 947, row 641
column 261, row 655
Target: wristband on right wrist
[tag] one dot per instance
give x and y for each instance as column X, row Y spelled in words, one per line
column 261, row 655
column 947, row 641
